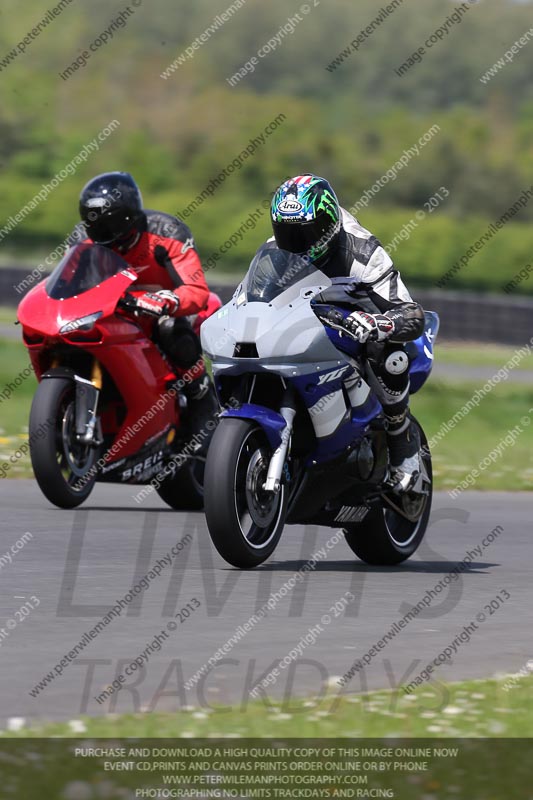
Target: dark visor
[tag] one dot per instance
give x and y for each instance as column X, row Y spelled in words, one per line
column 109, row 227
column 300, row 237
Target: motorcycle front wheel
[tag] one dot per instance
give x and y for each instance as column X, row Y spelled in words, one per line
column 245, row 522
column 63, row 467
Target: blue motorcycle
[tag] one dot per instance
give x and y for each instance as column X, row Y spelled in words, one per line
column 304, row 440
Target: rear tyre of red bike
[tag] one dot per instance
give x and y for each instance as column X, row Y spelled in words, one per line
column 184, row 491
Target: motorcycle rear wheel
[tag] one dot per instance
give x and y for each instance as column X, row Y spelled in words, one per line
column 184, row 491
column 385, row 537
column 245, row 522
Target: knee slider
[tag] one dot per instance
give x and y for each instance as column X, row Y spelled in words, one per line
column 397, row 362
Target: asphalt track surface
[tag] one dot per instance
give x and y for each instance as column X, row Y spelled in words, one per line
column 93, row 557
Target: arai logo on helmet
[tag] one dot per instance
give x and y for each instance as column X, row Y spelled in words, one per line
column 289, row 207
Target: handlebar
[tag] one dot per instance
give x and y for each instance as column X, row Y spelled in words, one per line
column 127, row 302
column 329, row 315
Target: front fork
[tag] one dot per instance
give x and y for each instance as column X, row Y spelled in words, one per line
column 87, row 427
column 279, row 457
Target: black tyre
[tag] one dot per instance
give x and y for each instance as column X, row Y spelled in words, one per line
column 63, row 467
column 184, row 491
column 391, row 533
column 244, row 521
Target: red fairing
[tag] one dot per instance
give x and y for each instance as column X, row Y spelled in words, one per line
column 119, row 343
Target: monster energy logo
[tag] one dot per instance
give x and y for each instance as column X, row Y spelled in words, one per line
column 328, row 204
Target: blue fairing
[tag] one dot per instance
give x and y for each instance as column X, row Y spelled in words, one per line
column 421, row 352
column 270, row 421
column 346, row 344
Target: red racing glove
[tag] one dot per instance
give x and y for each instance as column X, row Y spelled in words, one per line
column 172, row 301
column 158, row 304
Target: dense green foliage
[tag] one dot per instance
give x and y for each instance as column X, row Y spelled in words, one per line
column 351, row 123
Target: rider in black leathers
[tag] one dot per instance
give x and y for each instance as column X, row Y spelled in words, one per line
column 307, row 219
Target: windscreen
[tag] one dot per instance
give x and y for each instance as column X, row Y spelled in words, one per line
column 272, row 271
column 82, row 268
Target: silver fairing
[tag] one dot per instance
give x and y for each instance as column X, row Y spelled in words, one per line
column 290, row 340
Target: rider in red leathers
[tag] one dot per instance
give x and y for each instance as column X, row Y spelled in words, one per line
column 161, row 250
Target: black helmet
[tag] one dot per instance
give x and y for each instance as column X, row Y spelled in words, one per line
column 110, row 207
column 306, row 216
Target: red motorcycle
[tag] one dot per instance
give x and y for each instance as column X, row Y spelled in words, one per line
column 108, row 406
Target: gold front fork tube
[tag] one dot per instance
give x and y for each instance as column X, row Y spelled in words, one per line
column 96, row 375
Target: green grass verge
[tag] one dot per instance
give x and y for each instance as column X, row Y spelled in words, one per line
column 454, row 456
column 478, row 708
column 477, row 434
column 15, row 409
column 479, row 355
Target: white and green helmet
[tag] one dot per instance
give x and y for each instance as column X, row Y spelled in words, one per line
column 306, row 217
